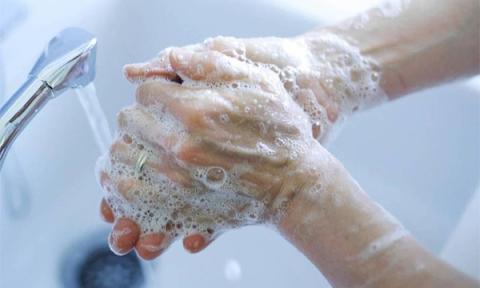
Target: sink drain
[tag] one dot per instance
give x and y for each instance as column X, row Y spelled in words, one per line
column 89, row 263
column 103, row 269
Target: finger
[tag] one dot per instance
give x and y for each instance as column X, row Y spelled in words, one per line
column 105, row 181
column 277, row 51
column 106, row 212
column 198, row 155
column 189, row 106
column 194, row 107
column 151, row 245
column 196, row 242
column 123, row 186
column 208, row 66
column 158, row 67
column 229, row 46
column 124, row 236
column 226, row 154
column 162, row 164
column 127, row 187
column 160, row 130
column 264, row 51
column 200, row 110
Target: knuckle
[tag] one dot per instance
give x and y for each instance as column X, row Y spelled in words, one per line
column 118, row 148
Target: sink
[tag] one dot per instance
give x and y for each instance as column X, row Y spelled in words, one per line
column 417, row 156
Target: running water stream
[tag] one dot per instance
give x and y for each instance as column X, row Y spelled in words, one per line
column 87, row 96
column 95, row 116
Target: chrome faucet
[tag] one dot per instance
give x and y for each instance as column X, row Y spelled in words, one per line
column 67, row 62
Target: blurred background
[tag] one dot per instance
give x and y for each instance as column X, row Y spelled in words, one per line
column 418, row 157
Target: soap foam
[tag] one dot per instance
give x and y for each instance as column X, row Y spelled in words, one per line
column 216, row 201
column 350, row 80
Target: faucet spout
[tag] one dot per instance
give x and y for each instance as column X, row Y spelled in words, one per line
column 67, row 62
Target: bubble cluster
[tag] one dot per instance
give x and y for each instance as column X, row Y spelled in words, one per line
column 316, row 71
column 349, row 80
column 210, row 203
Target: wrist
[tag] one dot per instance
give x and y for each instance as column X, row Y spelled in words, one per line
column 349, row 74
column 335, row 224
column 415, row 48
column 353, row 241
column 316, row 179
column 315, row 168
column 339, row 79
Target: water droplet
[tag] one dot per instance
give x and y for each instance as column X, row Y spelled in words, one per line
column 233, row 270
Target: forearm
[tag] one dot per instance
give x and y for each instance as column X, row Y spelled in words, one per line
column 422, row 44
column 354, row 242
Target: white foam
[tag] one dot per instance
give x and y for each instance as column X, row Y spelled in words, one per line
column 350, row 79
column 216, row 198
column 210, row 206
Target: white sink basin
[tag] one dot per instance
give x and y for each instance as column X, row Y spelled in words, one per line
column 417, row 156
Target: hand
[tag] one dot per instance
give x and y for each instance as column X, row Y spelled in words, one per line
column 195, row 160
column 325, row 75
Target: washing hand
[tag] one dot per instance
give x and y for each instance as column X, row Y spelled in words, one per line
column 233, row 108
column 198, row 158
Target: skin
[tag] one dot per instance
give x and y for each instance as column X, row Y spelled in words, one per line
column 212, row 142
column 352, row 240
column 428, row 43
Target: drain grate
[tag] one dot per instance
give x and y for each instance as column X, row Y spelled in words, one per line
column 103, row 269
column 89, row 263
